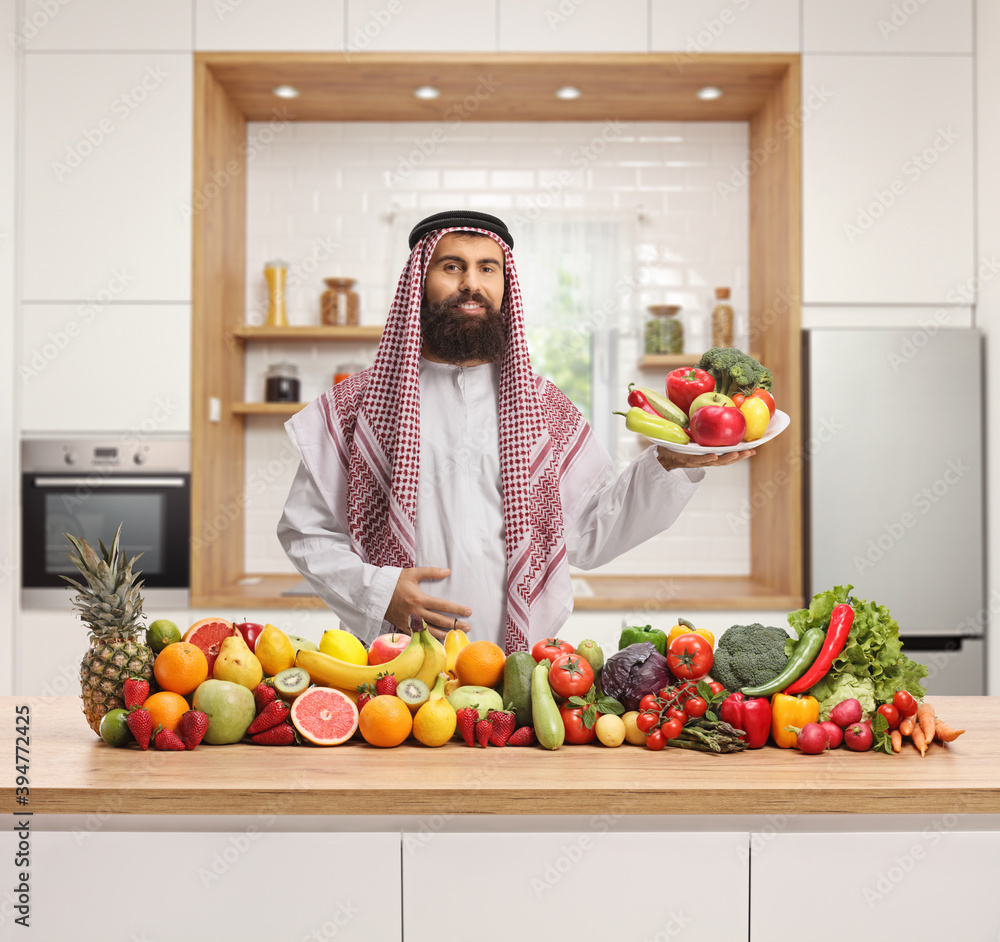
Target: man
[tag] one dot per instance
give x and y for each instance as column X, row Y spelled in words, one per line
column 450, row 462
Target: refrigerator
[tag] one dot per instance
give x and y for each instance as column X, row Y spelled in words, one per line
column 895, row 506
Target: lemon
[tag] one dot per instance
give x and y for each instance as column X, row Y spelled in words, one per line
column 161, row 633
column 114, row 730
column 344, row 646
column 435, row 722
column 610, row 729
column 633, row 735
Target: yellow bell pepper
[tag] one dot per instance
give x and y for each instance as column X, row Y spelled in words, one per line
column 679, row 630
column 791, row 711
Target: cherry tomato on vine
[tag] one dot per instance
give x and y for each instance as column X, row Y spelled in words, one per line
column 891, row 714
column 655, row 741
column 716, row 687
column 904, row 702
column 687, row 690
column 571, row 676
column 671, row 729
column 690, row 657
column 678, row 713
column 648, row 702
column 644, row 722
column 696, row 706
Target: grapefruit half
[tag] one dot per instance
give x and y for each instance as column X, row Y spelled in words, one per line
column 324, row 716
column 208, row 634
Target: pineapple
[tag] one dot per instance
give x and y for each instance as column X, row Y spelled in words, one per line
column 110, row 604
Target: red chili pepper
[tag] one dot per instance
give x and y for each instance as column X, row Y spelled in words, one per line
column 753, row 716
column 638, row 400
column 841, row 619
column 686, row 384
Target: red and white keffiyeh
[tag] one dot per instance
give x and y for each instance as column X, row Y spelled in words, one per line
column 550, row 461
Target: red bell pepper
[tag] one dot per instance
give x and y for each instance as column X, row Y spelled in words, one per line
column 686, row 384
column 753, row 716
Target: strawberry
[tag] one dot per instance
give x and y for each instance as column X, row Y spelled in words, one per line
column 385, row 685
column 365, row 693
column 484, row 729
column 140, row 724
column 467, row 719
column 135, row 692
column 192, row 728
column 271, row 715
column 503, row 722
column 525, row 736
column 263, row 694
column 167, row 739
column 281, row 735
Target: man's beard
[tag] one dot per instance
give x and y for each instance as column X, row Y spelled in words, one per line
column 454, row 336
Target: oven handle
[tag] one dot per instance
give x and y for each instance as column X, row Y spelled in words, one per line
column 110, row 482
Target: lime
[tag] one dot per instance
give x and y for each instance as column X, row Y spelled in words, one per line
column 114, row 730
column 161, row 633
column 344, row 646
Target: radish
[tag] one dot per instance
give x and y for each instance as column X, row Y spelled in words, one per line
column 847, row 712
column 858, row 736
column 812, row 739
column 836, row 733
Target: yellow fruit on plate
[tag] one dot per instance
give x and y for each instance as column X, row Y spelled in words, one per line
column 274, row 650
column 343, row 646
column 758, row 416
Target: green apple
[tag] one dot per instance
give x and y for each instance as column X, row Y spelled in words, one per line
column 710, row 399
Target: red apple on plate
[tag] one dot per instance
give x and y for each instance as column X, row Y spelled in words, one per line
column 250, row 630
column 385, row 647
column 717, row 426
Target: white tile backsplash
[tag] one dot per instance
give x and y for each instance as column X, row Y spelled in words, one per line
column 340, row 199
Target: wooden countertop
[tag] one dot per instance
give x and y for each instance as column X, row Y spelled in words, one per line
column 72, row 772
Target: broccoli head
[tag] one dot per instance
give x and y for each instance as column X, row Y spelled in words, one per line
column 749, row 655
column 734, row 371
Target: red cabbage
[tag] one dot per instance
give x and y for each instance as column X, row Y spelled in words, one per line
column 633, row 672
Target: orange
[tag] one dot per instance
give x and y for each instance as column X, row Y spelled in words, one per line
column 166, row 709
column 180, row 667
column 480, row 664
column 385, row 721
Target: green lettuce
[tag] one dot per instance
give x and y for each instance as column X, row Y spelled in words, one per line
column 873, row 651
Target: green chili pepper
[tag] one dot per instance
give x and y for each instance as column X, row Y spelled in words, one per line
column 801, row 660
column 635, row 634
column 653, row 426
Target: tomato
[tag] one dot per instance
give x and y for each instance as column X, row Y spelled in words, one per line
column 571, row 676
column 655, row 740
column 549, row 648
column 716, row 687
column 687, row 690
column 666, row 693
column 766, row 398
column 904, row 702
column 891, row 714
column 648, row 702
column 738, row 399
column 671, row 729
column 644, row 722
column 676, row 713
column 695, row 707
column 690, row 657
column 576, row 733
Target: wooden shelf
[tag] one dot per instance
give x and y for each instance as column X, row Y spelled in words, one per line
column 268, row 408
column 672, row 361
column 365, row 333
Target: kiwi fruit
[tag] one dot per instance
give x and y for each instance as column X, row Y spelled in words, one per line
column 414, row 693
column 289, row 683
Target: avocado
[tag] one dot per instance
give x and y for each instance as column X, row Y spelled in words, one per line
column 517, row 685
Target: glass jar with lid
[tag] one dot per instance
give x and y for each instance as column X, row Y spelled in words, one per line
column 664, row 332
column 282, row 383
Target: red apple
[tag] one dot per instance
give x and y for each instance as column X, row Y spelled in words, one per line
column 386, row 647
column 250, row 630
column 717, row 426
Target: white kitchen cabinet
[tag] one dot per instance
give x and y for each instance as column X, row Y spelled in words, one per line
column 694, row 26
column 100, row 25
column 95, row 885
column 113, row 368
column 573, row 26
column 883, row 886
column 271, row 25
column 107, row 177
column 503, row 886
column 944, row 26
column 887, row 179
column 421, row 25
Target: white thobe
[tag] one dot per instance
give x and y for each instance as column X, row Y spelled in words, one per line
column 459, row 513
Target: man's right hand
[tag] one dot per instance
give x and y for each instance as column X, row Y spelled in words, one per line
column 409, row 599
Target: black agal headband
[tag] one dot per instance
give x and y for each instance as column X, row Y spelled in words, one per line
column 458, row 218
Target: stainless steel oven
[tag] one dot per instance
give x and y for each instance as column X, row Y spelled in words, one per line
column 87, row 487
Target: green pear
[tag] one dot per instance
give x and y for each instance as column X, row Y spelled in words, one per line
column 237, row 664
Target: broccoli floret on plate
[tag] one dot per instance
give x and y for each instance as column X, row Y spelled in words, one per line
column 735, row 371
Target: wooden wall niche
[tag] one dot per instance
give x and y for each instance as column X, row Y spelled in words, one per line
column 234, row 88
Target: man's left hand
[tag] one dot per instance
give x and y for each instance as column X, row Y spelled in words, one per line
column 672, row 459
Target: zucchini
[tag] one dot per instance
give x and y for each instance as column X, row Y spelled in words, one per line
column 549, row 728
column 803, row 655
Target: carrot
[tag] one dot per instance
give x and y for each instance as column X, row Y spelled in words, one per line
column 919, row 740
column 906, row 726
column 897, row 740
column 946, row 733
column 925, row 717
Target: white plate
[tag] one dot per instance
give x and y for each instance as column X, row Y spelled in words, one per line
column 779, row 422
